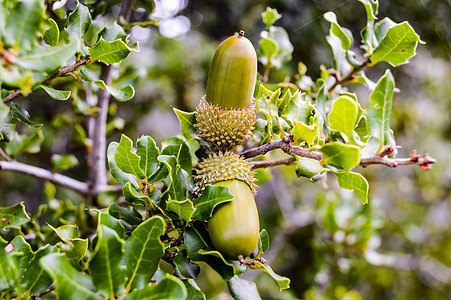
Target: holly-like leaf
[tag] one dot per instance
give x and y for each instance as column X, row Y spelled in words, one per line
column 77, row 252
column 22, row 115
column 242, row 289
column 122, row 94
column 35, row 279
column 110, row 52
column 187, row 268
column 308, row 167
column 397, row 46
column 148, row 151
column 113, row 32
column 126, row 160
column 356, row 182
column 104, row 266
column 380, row 109
column 343, row 34
column 120, row 176
column 302, row 132
column 79, row 22
column 270, row 16
column 112, row 223
column 133, row 196
column 66, row 232
column 343, row 116
column 210, row 198
column 340, row 155
column 127, row 214
column 178, row 148
column 283, row 282
column 69, row 283
column 187, row 121
column 55, row 94
column 63, row 162
column 52, row 34
column 184, row 209
column 13, row 216
column 177, row 180
column 142, row 252
column 169, row 287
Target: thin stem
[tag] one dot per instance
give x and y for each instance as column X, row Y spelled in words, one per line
column 4, row 155
column 350, row 75
column 272, row 163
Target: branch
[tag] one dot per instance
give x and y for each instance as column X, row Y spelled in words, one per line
column 4, row 155
column 272, row 163
column 350, row 75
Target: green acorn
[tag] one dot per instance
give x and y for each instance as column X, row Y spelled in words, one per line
column 234, row 227
column 224, row 118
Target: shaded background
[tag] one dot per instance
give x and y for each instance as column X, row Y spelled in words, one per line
column 332, row 247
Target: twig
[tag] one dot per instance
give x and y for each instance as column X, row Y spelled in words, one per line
column 272, row 163
column 59, row 73
column 350, row 75
column 4, row 155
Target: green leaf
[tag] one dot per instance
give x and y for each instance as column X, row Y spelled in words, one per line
column 69, row 283
column 77, row 252
column 55, row 94
column 241, row 289
column 35, row 279
column 23, row 23
column 379, row 111
column 20, row 143
column 397, row 46
column 343, row 34
column 13, row 216
column 371, row 7
column 179, row 149
column 340, row 155
column 267, row 47
column 109, row 52
column 308, row 167
column 187, row 268
column 270, row 16
column 104, row 266
column 142, row 252
column 111, row 222
column 147, row 150
column 178, row 182
column 169, row 287
column 63, row 162
column 79, row 22
column 343, row 116
column 22, row 115
column 133, row 196
column 66, row 232
column 19, row 257
column 283, row 282
column 113, row 32
column 193, row 292
column 284, row 46
column 47, row 58
column 127, row 214
column 302, row 132
column 6, row 275
column 356, row 182
column 126, row 160
column 120, row 176
column 187, row 121
column 122, row 94
column 210, row 198
column 184, row 209
column 52, row 34
column 263, row 241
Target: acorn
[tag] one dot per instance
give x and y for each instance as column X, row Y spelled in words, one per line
column 225, row 116
column 234, row 227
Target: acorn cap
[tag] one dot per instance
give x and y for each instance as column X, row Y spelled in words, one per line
column 221, row 167
column 224, row 128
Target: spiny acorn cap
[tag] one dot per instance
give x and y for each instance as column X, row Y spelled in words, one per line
column 221, row 167
column 224, row 128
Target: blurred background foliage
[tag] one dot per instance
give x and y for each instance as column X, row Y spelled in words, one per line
column 332, row 247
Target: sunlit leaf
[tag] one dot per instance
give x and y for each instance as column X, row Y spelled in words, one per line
column 343, row 34
column 13, row 216
column 283, row 282
column 187, row 121
column 122, row 94
column 184, row 209
column 63, row 162
column 109, row 52
column 302, row 132
column 242, row 289
column 270, row 16
column 308, row 167
column 79, row 21
column 126, row 160
column 344, row 115
column 56, row 94
column 356, row 182
column 148, row 151
column 52, row 34
column 340, row 155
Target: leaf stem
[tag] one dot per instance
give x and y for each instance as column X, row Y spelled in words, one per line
column 350, row 75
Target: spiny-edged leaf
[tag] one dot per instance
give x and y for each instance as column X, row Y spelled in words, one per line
column 47, row 58
column 184, row 209
column 69, row 283
column 263, row 241
column 127, row 214
column 120, row 176
column 270, row 16
column 121, row 94
column 196, row 240
column 187, row 268
column 23, row 23
column 113, row 32
column 356, row 182
column 79, row 21
column 193, row 292
column 242, row 289
column 13, row 216
column 379, row 112
column 109, row 52
column 142, row 252
column 22, row 115
column 148, row 151
column 283, row 282
column 126, row 160
column 187, row 121
column 52, row 34
column 177, row 181
column 344, row 115
column 66, row 232
column 169, row 287
column 210, row 198
column 35, row 279
column 55, row 94
column 343, row 34
column 371, row 7
column 111, row 222
column 63, row 162
column 133, row 196
column 177, row 147
column 6, row 275
column 302, row 132
column 309, row 167
column 340, row 155
column 77, row 252
column 104, row 266
column 298, row 109
column 397, row 46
